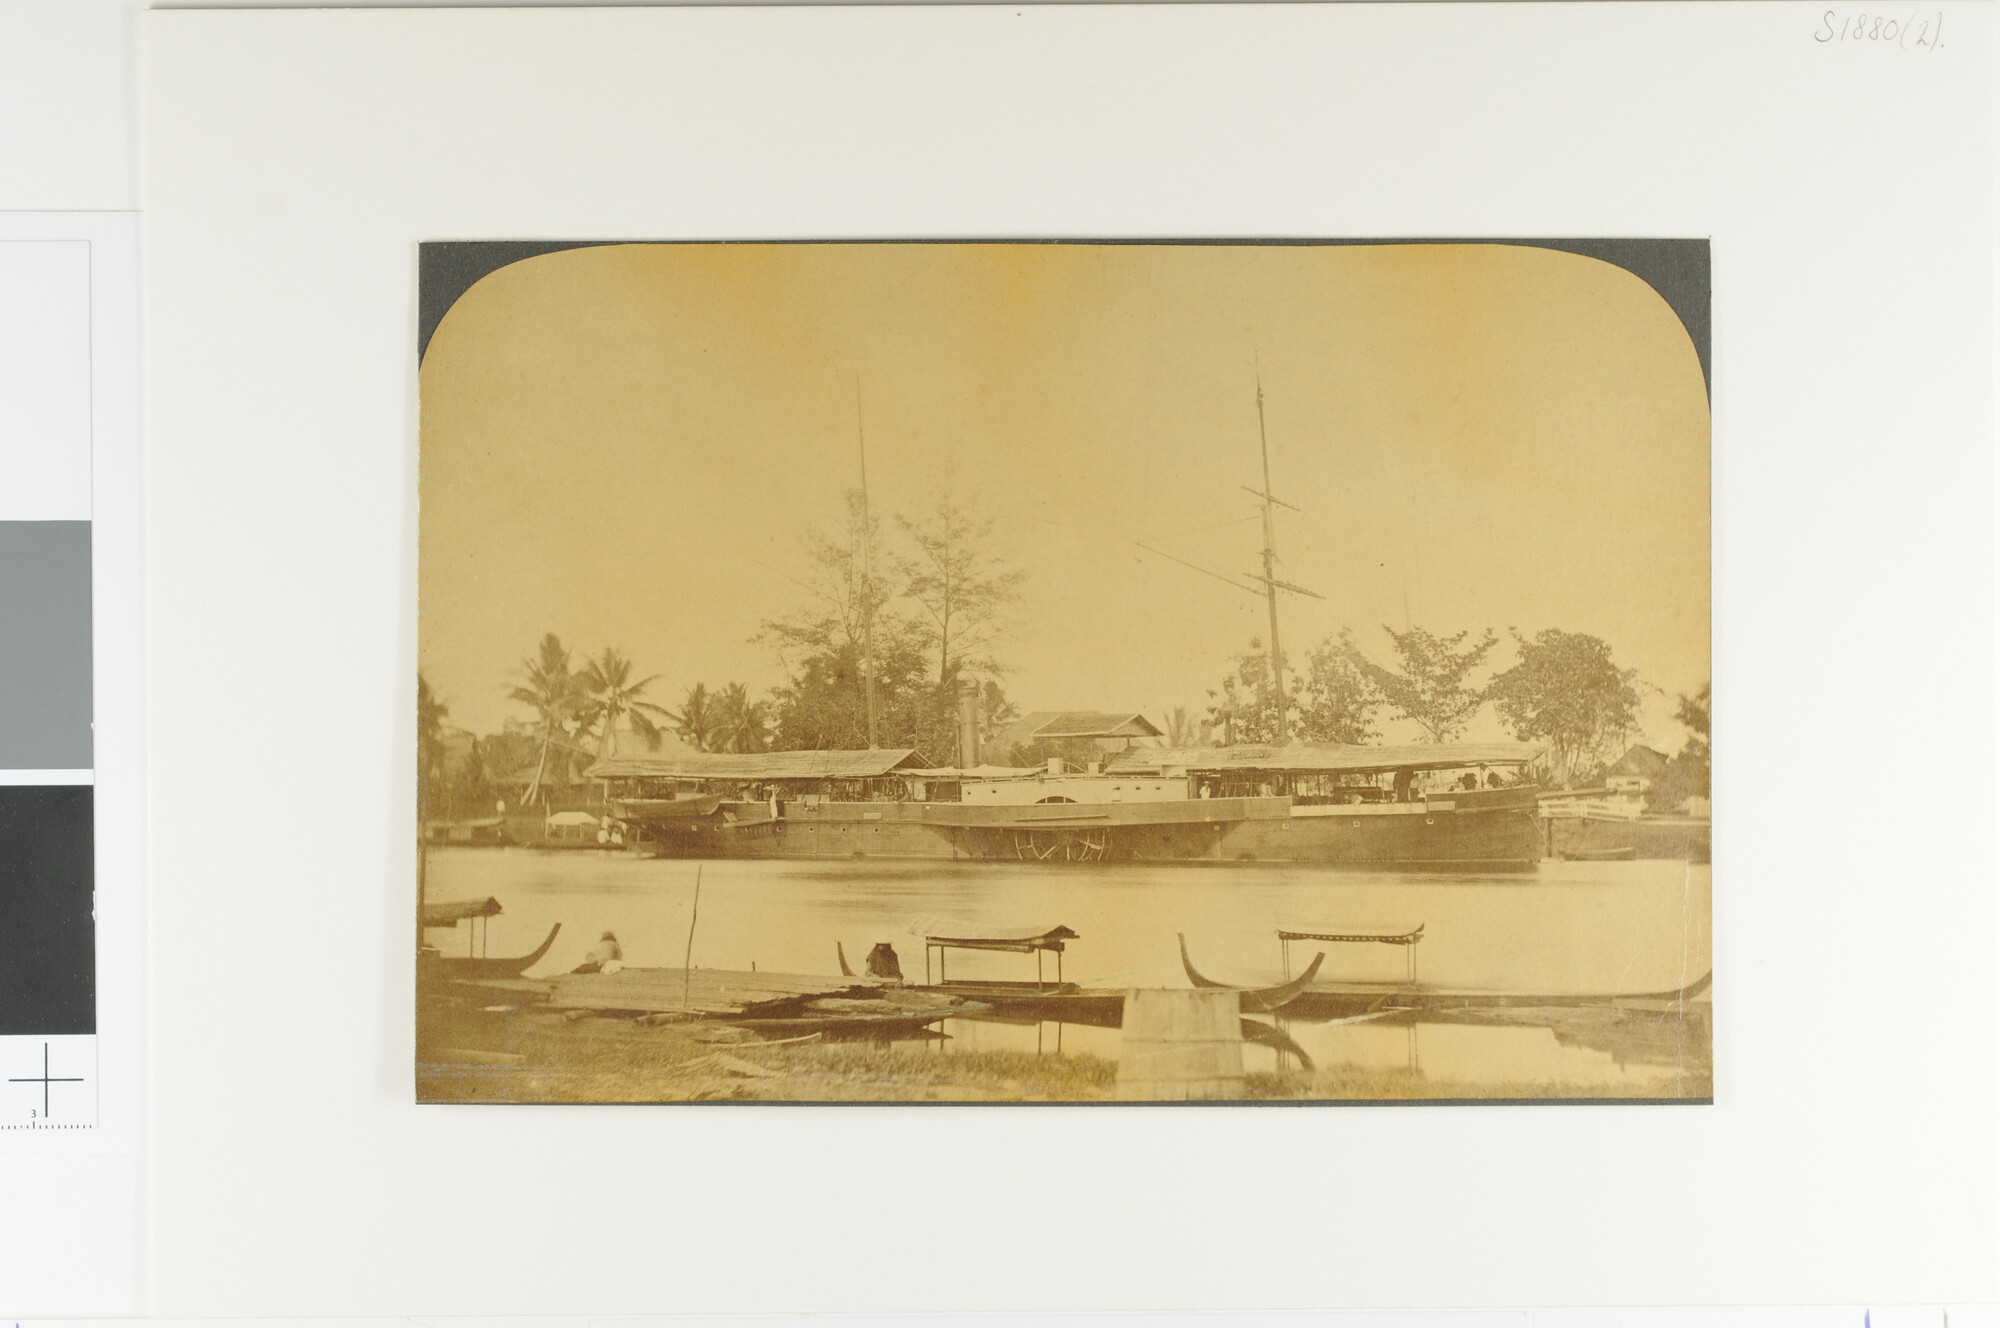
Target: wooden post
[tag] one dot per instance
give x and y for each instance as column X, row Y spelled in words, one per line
column 1181, row 1045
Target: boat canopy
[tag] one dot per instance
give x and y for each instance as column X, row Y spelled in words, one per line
column 865, row 764
column 1014, row 942
column 451, row 912
column 1384, row 937
column 974, row 772
column 572, row 818
column 1329, row 758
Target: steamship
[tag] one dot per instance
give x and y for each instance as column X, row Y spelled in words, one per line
column 1446, row 805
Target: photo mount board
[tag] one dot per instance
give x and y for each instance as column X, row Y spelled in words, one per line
column 1257, row 122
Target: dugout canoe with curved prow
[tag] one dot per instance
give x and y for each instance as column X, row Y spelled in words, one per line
column 1256, row 1000
column 1409, row 996
column 456, row 967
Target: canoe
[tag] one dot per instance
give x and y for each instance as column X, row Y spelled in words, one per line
column 1339, row 998
column 1256, row 1000
column 454, row 967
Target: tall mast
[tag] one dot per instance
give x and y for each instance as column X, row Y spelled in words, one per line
column 1271, row 567
column 1272, row 585
column 868, row 578
column 1268, row 585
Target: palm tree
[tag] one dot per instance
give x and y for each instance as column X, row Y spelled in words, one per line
column 1182, row 728
column 431, row 712
column 551, row 689
column 696, row 722
column 612, row 698
column 741, row 725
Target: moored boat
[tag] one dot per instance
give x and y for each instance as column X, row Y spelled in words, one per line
column 1440, row 805
column 1340, row 998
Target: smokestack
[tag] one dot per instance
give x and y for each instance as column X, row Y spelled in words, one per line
column 968, row 724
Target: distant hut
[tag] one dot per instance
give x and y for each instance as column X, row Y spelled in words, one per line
column 1077, row 736
column 1635, row 772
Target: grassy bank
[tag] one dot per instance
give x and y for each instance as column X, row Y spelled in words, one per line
column 547, row 1059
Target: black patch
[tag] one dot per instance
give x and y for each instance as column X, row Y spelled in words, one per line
column 48, row 959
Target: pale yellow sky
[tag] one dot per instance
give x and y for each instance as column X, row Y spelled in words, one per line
column 620, row 445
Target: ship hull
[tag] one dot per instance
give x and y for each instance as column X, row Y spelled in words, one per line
column 1498, row 832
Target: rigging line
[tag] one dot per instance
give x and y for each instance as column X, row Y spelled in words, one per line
column 1201, row 530
column 812, row 590
column 1226, row 580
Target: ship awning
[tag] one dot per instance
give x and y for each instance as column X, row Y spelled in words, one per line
column 1410, row 937
column 1014, row 942
column 1331, row 758
column 451, row 912
column 865, row 764
column 974, row 772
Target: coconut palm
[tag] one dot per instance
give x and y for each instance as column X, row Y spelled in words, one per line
column 550, row 687
column 741, row 725
column 431, row 712
column 1182, row 728
column 611, row 698
column 697, row 721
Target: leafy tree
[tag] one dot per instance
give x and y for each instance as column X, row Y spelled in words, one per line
column 1566, row 691
column 822, row 704
column 741, row 725
column 1687, row 774
column 1338, row 702
column 961, row 585
column 1244, row 709
column 1429, row 684
column 611, row 697
column 928, row 615
column 549, row 687
column 996, row 709
column 842, row 594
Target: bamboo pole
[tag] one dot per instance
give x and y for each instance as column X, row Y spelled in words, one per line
column 687, row 959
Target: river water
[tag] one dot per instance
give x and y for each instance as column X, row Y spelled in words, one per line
column 1562, row 926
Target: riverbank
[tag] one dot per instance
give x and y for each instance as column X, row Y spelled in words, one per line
column 599, row 1060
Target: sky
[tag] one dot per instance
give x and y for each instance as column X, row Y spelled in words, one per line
column 623, row 445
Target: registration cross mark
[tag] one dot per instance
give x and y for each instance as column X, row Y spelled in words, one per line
column 45, row 1080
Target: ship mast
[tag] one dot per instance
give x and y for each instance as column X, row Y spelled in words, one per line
column 1268, row 585
column 1271, row 567
column 868, row 579
column 1272, row 585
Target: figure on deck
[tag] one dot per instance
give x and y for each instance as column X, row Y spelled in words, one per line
column 882, row 962
column 604, row 957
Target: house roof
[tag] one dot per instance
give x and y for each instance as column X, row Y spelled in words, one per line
column 1043, row 725
column 1641, row 760
column 1326, row 758
column 864, row 764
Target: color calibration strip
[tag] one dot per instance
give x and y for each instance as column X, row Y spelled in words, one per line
column 57, row 914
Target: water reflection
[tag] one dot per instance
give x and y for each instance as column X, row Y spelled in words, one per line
column 1571, row 926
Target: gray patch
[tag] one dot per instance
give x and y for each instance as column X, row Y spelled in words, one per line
column 45, row 645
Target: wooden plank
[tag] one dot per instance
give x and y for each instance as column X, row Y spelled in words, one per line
column 710, row 991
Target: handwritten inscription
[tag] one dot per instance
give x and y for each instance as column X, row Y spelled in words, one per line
column 1918, row 30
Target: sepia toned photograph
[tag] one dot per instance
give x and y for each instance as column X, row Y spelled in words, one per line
column 1064, row 672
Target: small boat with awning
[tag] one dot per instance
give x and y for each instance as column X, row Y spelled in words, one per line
column 475, row 962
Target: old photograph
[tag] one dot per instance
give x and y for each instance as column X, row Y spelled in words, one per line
column 1064, row 672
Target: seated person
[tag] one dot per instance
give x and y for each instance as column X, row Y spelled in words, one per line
column 604, row 957
column 883, row 963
